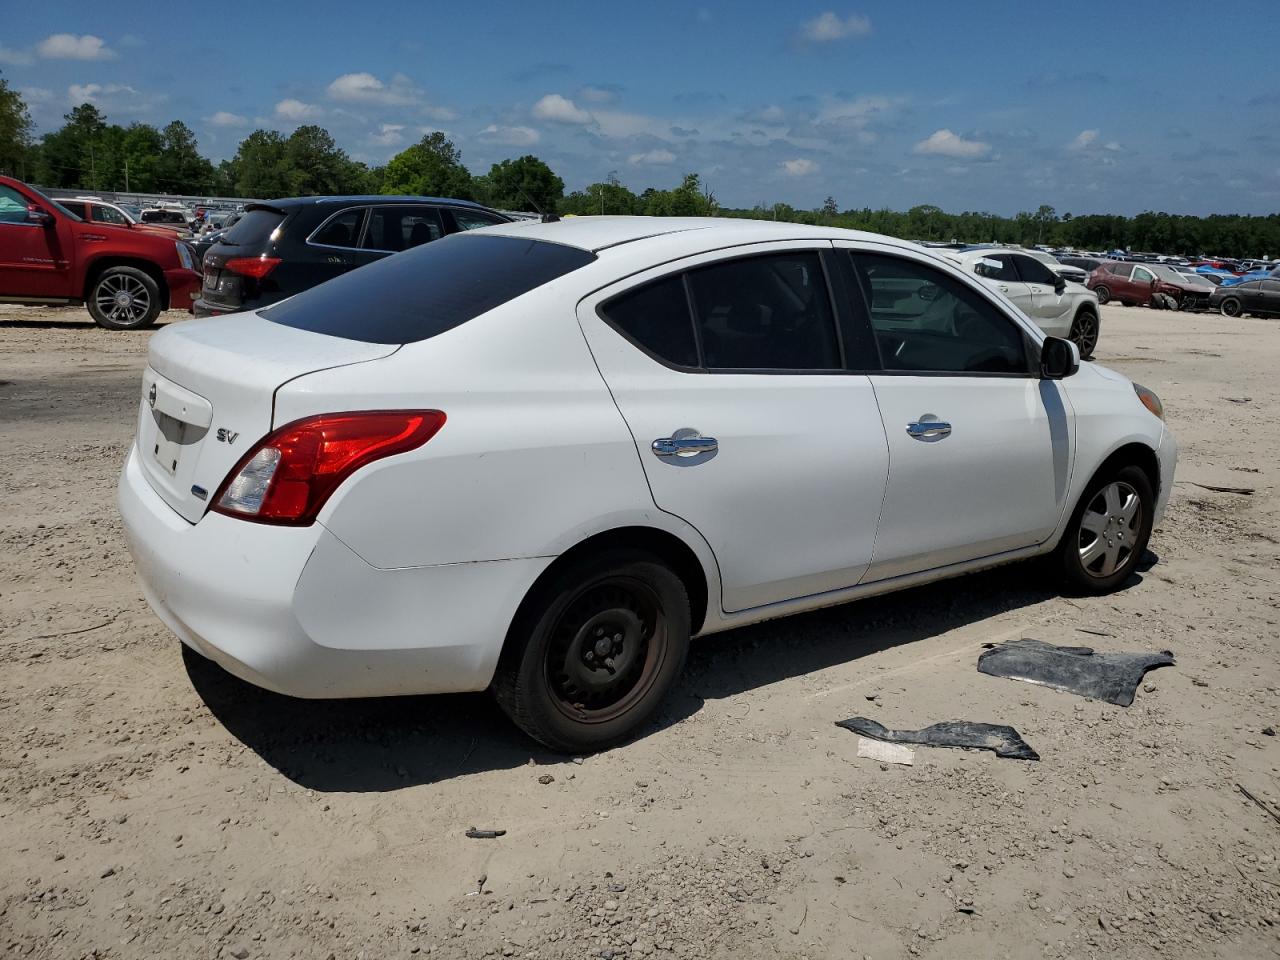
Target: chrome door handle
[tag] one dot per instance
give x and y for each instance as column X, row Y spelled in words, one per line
column 929, row 429
column 684, row 446
column 1004, row 289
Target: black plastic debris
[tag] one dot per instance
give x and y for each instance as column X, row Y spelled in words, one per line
column 475, row 834
column 1005, row 741
column 1110, row 677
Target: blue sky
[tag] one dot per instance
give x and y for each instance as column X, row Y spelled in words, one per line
column 976, row 105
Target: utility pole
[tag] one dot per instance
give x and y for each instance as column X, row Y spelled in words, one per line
column 126, row 174
column 93, row 170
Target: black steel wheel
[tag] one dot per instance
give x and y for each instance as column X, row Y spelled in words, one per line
column 1084, row 333
column 594, row 651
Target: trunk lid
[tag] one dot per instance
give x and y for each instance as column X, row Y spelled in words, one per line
column 208, row 395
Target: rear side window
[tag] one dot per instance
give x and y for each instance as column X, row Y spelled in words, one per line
column 765, row 313
column 472, row 219
column 254, row 228
column 398, row 228
column 656, row 318
column 340, row 230
column 1033, row 271
column 425, row 291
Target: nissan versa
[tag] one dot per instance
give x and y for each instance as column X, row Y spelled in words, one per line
column 537, row 458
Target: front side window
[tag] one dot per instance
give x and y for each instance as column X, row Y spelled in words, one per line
column 341, row 230
column 472, row 219
column 1033, row 271
column 109, row 215
column 13, row 206
column 398, row 228
column 1142, row 275
column 927, row 322
column 768, row 312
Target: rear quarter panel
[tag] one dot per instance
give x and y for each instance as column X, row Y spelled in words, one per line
column 533, row 458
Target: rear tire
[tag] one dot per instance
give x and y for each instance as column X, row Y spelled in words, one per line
column 1108, row 532
column 1084, row 333
column 123, row 298
column 1230, row 307
column 1103, row 294
column 594, row 651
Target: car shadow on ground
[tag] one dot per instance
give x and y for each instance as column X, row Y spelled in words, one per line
column 58, row 325
column 387, row 744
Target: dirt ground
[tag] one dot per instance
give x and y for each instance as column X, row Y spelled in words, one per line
column 152, row 806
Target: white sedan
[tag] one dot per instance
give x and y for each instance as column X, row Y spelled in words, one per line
column 1059, row 306
column 537, row 458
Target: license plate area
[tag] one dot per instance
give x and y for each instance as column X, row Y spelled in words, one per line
column 211, row 278
column 167, row 446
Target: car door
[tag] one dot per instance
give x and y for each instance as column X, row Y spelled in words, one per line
column 980, row 447
column 333, row 248
column 35, row 258
column 998, row 269
column 1141, row 284
column 731, row 376
column 1252, row 295
column 1269, row 297
column 393, row 228
column 1050, row 303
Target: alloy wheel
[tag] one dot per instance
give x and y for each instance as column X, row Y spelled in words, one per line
column 122, row 299
column 1109, row 529
column 1085, row 334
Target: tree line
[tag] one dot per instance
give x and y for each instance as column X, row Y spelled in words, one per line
column 88, row 153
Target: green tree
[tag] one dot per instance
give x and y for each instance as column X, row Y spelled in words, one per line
column 521, row 183
column 432, row 167
column 314, row 164
column 180, row 168
column 606, row 197
column 15, row 132
column 829, row 208
column 258, row 168
column 690, row 199
column 69, row 156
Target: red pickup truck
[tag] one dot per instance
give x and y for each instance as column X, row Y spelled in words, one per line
column 48, row 255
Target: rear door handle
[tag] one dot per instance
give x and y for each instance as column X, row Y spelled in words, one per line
column 683, row 446
column 928, row 429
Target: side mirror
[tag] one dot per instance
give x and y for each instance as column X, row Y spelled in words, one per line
column 1059, row 284
column 38, row 216
column 1058, row 358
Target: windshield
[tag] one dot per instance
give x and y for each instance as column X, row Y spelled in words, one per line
column 1164, row 273
column 54, row 203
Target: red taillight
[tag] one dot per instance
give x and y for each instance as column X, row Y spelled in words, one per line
column 290, row 474
column 256, row 267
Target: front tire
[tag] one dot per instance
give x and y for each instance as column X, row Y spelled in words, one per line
column 1230, row 307
column 123, row 298
column 1108, row 532
column 594, row 652
column 1084, row 333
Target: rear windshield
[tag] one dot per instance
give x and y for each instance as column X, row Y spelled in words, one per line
column 253, row 229
column 417, row 294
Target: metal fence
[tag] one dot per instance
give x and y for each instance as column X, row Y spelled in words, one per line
column 148, row 199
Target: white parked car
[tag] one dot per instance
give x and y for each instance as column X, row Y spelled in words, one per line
column 1059, row 307
column 537, row 457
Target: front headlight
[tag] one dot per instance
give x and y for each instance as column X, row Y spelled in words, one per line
column 1149, row 400
column 184, row 256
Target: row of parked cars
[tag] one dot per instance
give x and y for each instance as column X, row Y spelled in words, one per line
column 126, row 269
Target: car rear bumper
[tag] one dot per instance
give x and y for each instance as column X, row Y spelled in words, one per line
column 183, row 286
column 294, row 610
column 203, row 308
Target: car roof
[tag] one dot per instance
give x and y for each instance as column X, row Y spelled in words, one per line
column 286, row 202
column 600, row 233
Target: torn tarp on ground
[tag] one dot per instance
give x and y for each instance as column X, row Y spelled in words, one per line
column 1111, row 677
column 1005, row 741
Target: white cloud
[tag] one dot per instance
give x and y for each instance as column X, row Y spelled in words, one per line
column 295, row 111
column 771, row 114
column 388, row 135
column 366, row 88
column 560, row 109
column 1083, row 140
column 598, row 94
column 224, row 118
column 800, row 167
column 69, row 46
column 829, row 27
column 653, row 157
column 944, row 143
column 510, row 136
column 79, row 93
column 1113, row 145
column 36, row 96
column 14, row 58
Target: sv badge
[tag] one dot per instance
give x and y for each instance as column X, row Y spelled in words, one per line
column 227, row 436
